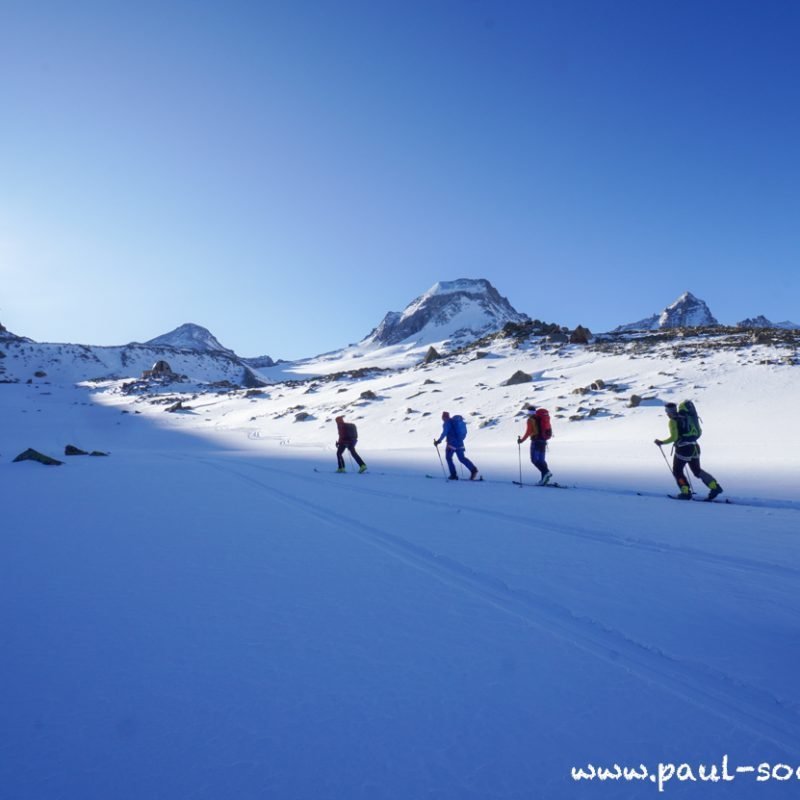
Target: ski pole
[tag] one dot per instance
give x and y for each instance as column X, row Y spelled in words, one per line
column 441, row 463
column 665, row 459
column 519, row 452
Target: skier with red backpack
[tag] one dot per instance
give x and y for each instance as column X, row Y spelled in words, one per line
column 538, row 430
column 454, row 430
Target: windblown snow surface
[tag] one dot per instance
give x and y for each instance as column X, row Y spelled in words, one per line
column 210, row 612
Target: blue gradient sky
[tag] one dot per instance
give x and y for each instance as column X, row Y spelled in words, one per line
column 284, row 173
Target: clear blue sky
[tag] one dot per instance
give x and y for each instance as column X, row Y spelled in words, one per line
column 284, row 173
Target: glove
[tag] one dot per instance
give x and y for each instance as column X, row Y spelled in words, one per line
column 435, row 443
column 519, row 440
column 659, row 442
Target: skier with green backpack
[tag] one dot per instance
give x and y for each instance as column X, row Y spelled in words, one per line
column 684, row 431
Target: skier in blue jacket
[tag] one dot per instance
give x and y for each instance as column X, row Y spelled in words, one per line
column 455, row 447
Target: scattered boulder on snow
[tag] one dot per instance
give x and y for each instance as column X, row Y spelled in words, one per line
column 368, row 395
column 161, row 369
column 431, row 355
column 761, row 337
column 71, row 450
column 40, row 373
column 302, row 416
column 34, row 455
column 518, row 377
column 634, row 401
column 599, row 384
column 179, row 406
column 580, row 335
column 557, row 337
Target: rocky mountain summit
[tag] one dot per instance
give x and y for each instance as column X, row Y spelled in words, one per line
column 191, row 337
column 687, row 311
column 457, row 310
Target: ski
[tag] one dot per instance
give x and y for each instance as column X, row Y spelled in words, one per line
column 725, row 501
column 351, row 472
column 541, row 485
column 462, row 480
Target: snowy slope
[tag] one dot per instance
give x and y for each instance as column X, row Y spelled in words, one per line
column 201, row 614
column 72, row 363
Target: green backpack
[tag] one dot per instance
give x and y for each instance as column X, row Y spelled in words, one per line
column 689, row 429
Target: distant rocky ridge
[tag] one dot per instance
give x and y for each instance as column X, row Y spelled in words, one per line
column 261, row 362
column 461, row 309
column 687, row 311
column 452, row 315
column 762, row 322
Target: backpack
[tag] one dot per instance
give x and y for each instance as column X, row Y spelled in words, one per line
column 543, row 423
column 351, row 432
column 459, row 426
column 688, row 422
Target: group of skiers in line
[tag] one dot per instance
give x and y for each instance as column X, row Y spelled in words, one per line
column 684, row 430
column 454, row 431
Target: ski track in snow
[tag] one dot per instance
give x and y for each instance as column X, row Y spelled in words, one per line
column 707, row 688
column 695, row 554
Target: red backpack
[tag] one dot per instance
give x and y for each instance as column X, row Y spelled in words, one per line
column 543, row 423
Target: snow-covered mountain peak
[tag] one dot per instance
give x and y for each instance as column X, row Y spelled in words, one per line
column 461, row 309
column 191, row 337
column 687, row 311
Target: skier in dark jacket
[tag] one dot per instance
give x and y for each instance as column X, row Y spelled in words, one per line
column 687, row 451
column 347, row 441
column 455, row 447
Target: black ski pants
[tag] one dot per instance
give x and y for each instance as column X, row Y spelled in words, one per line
column 352, row 448
column 688, row 454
